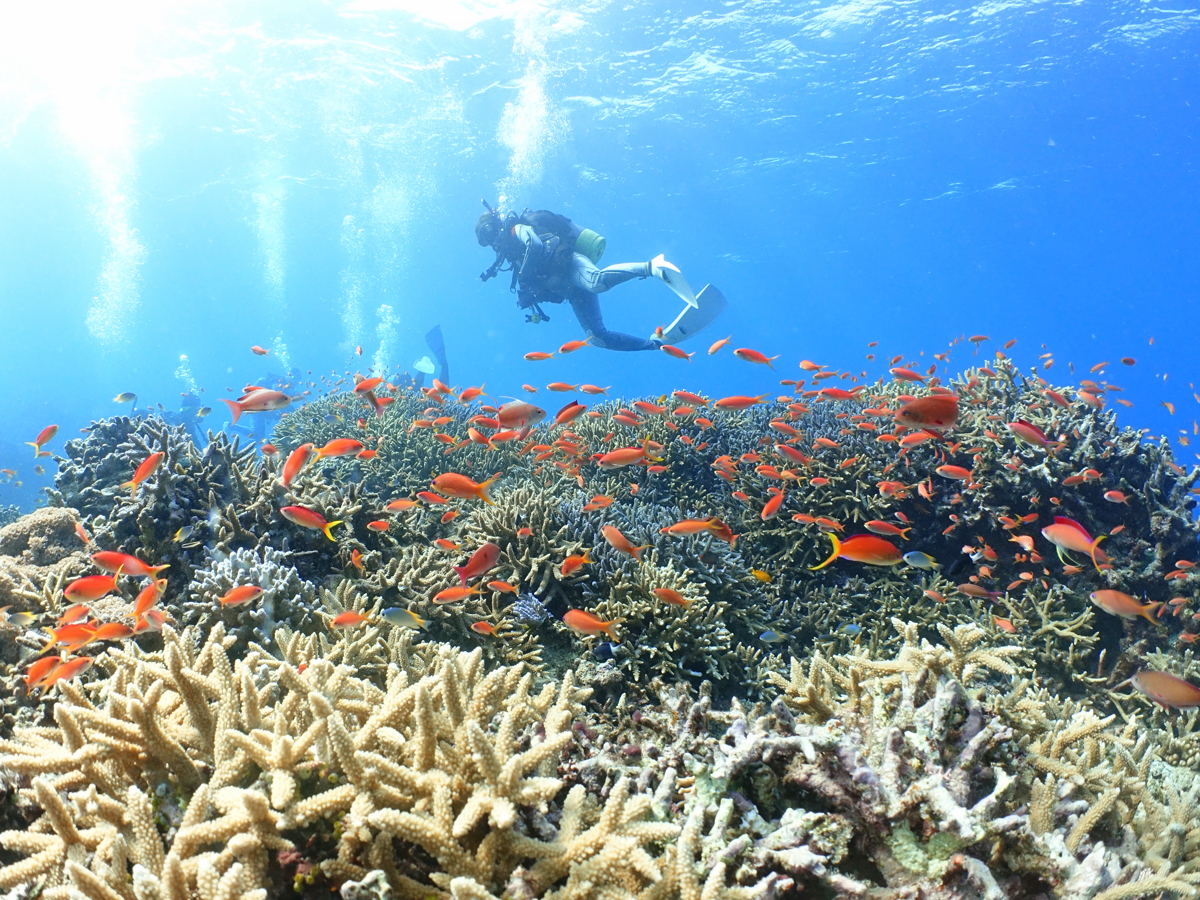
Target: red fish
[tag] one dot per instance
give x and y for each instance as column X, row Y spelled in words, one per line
column 677, row 353
column 296, row 461
column 454, row 594
column 863, row 548
column 537, row 355
column 1118, row 603
column 147, row 597
column 1067, row 534
column 622, row 543
column 572, row 346
column 572, row 563
column 144, row 471
column 502, row 586
column 379, row 525
column 593, row 389
column 452, row 484
column 44, row 437
column 739, row 402
column 569, row 413
column 1167, row 690
column 901, row 374
column 484, row 628
column 259, row 351
column 938, row 411
column 481, row 562
column 667, row 595
column 111, row 561
column 753, row 356
column 585, row 622
column 880, row 527
column 339, row 447
column 519, row 414
column 347, row 619
column 65, row 671
column 717, row 345
column 771, row 509
column 91, row 587
column 955, row 473
column 241, row 595
column 307, row 518
column 1028, row 433
column 257, row 401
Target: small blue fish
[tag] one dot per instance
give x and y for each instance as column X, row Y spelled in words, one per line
column 919, row 560
column 604, row 651
column 772, row 637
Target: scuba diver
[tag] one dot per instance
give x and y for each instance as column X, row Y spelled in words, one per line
column 552, row 259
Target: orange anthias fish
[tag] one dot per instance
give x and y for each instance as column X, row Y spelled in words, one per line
column 296, row 461
column 667, row 595
column 91, row 587
column 401, row 505
column 585, row 622
column 454, row 594
column 481, row 562
column 257, row 401
column 111, row 561
column 452, row 484
column 519, row 414
column 484, row 628
column 1166, row 689
column 600, row 501
column 1028, row 433
column 753, row 356
column 617, row 459
column 572, row 563
column 502, row 586
column 880, row 527
column 1118, row 603
column 537, row 355
column 112, row 631
column 739, row 402
column 938, row 411
column 863, row 548
column 339, row 447
column 572, row 346
column 622, row 543
column 44, row 436
column 259, row 351
column 148, row 597
column 717, row 345
column 1067, row 534
column 307, row 518
column 677, row 353
column 347, row 619
column 144, row 471
column 569, row 413
column 65, row 671
column 39, row 670
column 241, row 594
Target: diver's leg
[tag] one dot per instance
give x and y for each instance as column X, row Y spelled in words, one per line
column 435, row 342
column 586, row 277
column 587, row 310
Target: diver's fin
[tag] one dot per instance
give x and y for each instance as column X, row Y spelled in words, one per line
column 710, row 303
column 434, row 340
column 673, row 278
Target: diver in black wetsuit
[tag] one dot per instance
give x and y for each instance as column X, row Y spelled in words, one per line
column 552, row 259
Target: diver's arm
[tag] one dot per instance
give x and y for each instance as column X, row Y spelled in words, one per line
column 534, row 249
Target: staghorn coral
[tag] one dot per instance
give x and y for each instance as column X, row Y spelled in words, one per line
column 287, row 599
column 410, row 771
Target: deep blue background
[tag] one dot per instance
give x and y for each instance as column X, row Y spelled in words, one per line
column 845, row 172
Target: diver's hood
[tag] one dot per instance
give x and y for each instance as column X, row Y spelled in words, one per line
column 424, row 364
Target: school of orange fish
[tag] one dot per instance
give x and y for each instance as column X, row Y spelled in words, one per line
column 785, row 469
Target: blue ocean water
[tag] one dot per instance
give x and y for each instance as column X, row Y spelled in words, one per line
column 179, row 182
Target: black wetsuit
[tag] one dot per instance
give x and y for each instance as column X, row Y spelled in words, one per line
column 548, row 272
